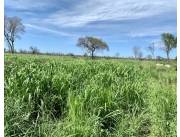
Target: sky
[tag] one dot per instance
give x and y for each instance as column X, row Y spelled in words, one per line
column 56, row 25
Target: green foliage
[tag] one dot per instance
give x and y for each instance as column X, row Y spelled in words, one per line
column 65, row 97
column 170, row 42
column 91, row 44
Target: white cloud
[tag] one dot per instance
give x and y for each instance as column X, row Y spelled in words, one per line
column 43, row 29
column 82, row 13
column 29, row 4
column 153, row 31
column 103, row 10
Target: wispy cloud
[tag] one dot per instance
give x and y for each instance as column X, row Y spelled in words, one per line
column 43, row 29
column 80, row 13
column 118, row 16
column 153, row 31
column 104, row 10
column 29, row 4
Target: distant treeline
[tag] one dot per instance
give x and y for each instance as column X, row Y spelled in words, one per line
column 159, row 58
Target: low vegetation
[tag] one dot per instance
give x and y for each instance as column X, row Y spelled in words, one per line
column 47, row 96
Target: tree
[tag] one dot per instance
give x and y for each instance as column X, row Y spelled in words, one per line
column 23, row 51
column 136, row 51
column 85, row 55
column 91, row 44
column 149, row 57
column 117, row 55
column 151, row 49
column 169, row 41
column 140, row 54
column 13, row 27
column 34, row 50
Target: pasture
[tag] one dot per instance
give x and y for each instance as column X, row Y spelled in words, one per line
column 52, row 96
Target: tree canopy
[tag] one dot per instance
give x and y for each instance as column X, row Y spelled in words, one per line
column 170, row 42
column 91, row 44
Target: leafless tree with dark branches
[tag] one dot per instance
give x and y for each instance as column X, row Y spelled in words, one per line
column 151, row 49
column 13, row 27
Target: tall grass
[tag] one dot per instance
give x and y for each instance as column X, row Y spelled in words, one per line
column 48, row 97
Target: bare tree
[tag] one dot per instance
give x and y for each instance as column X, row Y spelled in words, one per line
column 13, row 27
column 23, row 51
column 151, row 49
column 91, row 44
column 140, row 54
column 136, row 51
column 149, row 57
column 34, row 50
column 117, row 55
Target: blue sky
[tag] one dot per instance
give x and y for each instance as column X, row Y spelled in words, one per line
column 55, row 25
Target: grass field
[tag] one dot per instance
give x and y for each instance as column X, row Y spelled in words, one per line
column 77, row 97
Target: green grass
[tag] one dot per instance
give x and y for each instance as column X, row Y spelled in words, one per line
column 48, row 96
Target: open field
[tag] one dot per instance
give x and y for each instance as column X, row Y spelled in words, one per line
column 48, row 96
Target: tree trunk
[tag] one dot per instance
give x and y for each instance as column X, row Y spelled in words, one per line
column 167, row 55
column 153, row 55
column 12, row 47
column 92, row 54
column 10, row 43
